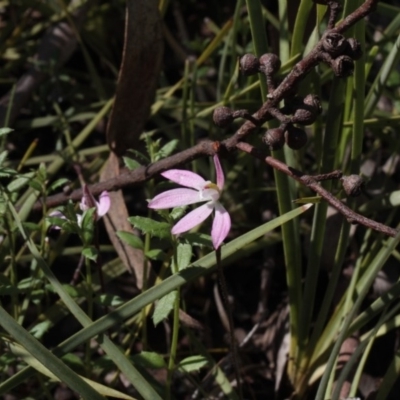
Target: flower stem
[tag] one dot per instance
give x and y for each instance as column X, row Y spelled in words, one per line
column 175, row 329
column 234, row 348
column 89, row 288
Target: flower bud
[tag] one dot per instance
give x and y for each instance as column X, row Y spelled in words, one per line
column 334, row 44
column 353, row 49
column 343, row 66
column 352, row 184
column 223, row 117
column 269, row 64
column 249, row 64
column 295, row 137
column 274, row 138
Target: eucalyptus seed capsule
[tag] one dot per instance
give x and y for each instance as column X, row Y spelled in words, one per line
column 274, row 138
column 306, row 110
column 269, row 64
column 353, row 49
column 295, row 138
column 334, row 44
column 249, row 64
column 343, row 66
column 352, row 185
column 223, row 117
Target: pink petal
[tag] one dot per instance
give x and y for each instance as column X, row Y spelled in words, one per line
column 175, row 198
column 194, row 218
column 219, row 173
column 184, row 178
column 104, row 204
column 221, row 225
column 88, row 201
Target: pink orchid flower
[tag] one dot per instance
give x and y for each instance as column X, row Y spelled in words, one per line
column 201, row 190
column 88, row 201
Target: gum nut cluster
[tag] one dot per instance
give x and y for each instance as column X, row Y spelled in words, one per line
column 268, row 64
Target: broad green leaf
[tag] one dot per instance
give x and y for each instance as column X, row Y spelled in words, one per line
column 5, row 131
column 163, row 307
column 193, row 363
column 139, row 155
column 130, row 239
column 42, row 173
column 31, row 227
column 88, row 226
column 40, row 329
column 35, row 184
column 149, row 359
column 156, row 254
column 3, row 156
column 167, row 149
column 130, row 163
column 177, row 213
column 183, row 255
column 26, row 283
column 197, row 239
column 109, row 300
column 57, row 221
column 56, row 184
column 20, row 182
column 149, row 226
column 90, row 252
column 74, row 361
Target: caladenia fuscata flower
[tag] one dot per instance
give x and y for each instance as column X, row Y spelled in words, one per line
column 87, row 202
column 196, row 190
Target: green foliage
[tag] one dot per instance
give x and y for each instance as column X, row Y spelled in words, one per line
column 117, row 296
column 150, row 226
column 130, row 239
column 130, row 163
column 193, row 363
column 164, row 307
column 149, row 359
column 183, row 257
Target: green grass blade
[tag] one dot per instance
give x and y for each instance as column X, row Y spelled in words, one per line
column 197, row 269
column 391, row 376
column 300, row 26
column 369, row 339
column 286, row 194
column 391, row 62
column 331, row 136
column 362, row 288
column 132, row 374
column 375, row 308
column 47, row 358
column 20, row 352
